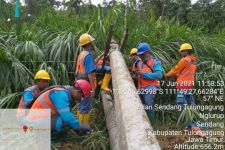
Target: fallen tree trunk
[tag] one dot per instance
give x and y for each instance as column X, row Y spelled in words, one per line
column 129, row 127
column 110, row 116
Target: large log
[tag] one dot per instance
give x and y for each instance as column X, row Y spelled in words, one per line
column 110, row 116
column 133, row 129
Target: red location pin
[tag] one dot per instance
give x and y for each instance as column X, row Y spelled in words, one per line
column 25, row 128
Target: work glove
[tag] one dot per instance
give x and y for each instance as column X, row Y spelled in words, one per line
column 84, row 129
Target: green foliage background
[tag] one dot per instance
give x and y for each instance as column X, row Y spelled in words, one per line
column 49, row 40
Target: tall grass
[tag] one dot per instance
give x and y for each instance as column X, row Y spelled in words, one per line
column 50, row 41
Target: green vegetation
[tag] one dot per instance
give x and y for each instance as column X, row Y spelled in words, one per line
column 48, row 39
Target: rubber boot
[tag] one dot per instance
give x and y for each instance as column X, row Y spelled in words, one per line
column 151, row 117
column 83, row 118
column 105, row 83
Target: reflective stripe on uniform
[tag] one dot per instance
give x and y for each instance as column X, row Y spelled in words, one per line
column 44, row 101
column 80, row 68
column 35, row 92
column 187, row 74
column 148, row 67
column 46, row 105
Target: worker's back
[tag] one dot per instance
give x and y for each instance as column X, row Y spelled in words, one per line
column 44, row 101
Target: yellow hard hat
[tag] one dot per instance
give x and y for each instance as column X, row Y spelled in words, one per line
column 85, row 39
column 185, row 46
column 133, row 51
column 42, row 74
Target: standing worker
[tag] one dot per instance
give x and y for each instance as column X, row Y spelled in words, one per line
column 58, row 100
column 85, row 69
column 41, row 79
column 185, row 73
column 149, row 73
column 135, row 58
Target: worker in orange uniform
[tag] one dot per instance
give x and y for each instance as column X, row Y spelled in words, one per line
column 86, row 69
column 185, row 73
column 41, row 79
column 58, row 100
column 149, row 73
column 135, row 58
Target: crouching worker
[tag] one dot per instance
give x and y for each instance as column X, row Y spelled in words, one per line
column 149, row 73
column 41, row 79
column 58, row 100
column 107, row 69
